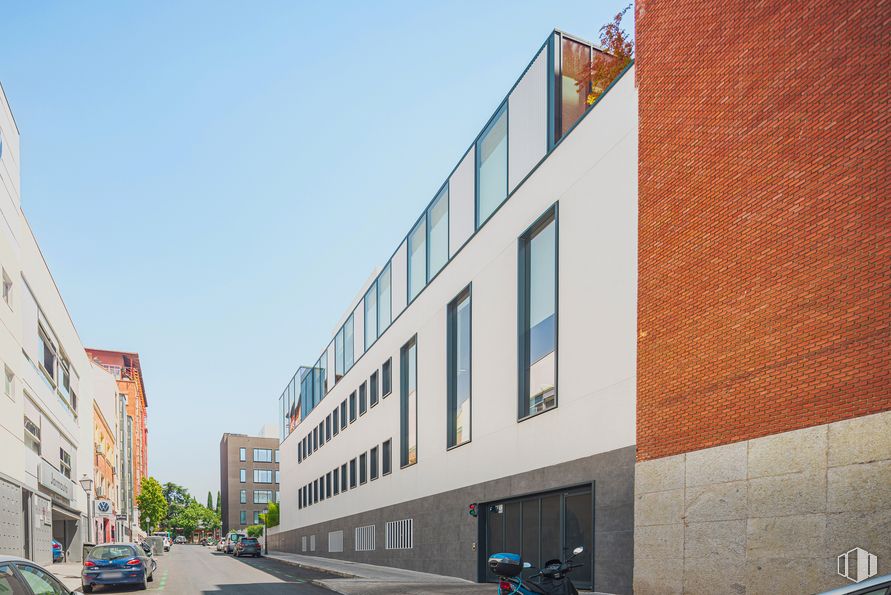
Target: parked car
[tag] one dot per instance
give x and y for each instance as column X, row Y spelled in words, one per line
column 248, row 546
column 179, row 540
column 221, row 544
column 877, row 585
column 118, row 564
column 18, row 575
column 57, row 551
column 231, row 541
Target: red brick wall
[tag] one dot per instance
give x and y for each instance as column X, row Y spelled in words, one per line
column 765, row 218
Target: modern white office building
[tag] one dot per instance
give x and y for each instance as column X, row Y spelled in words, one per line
column 46, row 410
column 491, row 362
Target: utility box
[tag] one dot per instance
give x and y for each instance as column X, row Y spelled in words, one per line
column 157, row 544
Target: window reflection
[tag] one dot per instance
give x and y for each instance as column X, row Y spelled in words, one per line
column 417, row 259
column 492, row 167
column 576, row 66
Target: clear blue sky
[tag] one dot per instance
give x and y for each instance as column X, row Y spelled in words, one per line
column 211, row 182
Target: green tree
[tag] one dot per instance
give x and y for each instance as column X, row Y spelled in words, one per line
column 194, row 516
column 255, row 530
column 270, row 518
column 219, row 508
column 178, row 499
column 152, row 505
column 209, row 501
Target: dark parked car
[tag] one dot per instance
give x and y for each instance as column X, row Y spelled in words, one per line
column 247, row 546
column 20, row 576
column 118, row 564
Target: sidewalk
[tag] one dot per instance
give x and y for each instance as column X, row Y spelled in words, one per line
column 67, row 572
column 367, row 579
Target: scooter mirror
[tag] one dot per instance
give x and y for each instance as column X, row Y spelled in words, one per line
column 527, row 565
column 578, row 551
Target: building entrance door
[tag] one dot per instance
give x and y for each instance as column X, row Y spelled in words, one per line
column 543, row 527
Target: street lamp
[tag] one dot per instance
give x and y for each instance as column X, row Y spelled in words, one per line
column 87, row 484
column 266, row 531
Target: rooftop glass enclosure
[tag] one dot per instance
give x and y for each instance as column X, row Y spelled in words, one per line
column 541, row 108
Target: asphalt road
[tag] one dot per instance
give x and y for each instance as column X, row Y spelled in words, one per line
column 194, row 569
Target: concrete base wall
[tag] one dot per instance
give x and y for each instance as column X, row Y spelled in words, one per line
column 446, row 537
column 768, row 515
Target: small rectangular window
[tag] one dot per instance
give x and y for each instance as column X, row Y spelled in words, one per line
column 277, row 456
column 408, row 453
column 372, row 385
column 352, row 406
column 343, row 477
column 242, row 475
column 363, row 398
column 363, row 468
column 328, row 485
column 322, row 433
column 315, row 439
column 491, row 167
column 242, row 517
column 387, row 457
column 335, row 476
column 458, row 345
column 343, row 414
column 315, row 491
column 374, row 464
column 328, row 428
column 65, row 463
column 300, row 498
column 263, row 475
column 9, row 386
column 538, row 316
column 335, row 421
column 242, row 454
column 387, row 377
column 7, row 289
column 242, row 497
column 262, row 455
column 353, row 477
column 417, row 259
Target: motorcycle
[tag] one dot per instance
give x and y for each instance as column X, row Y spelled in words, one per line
column 553, row 579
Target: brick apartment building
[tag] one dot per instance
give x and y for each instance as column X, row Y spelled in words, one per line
column 764, row 358
column 249, row 478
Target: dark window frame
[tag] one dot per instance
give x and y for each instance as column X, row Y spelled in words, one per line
column 363, row 398
column 387, row 378
column 387, row 457
column 375, row 466
column 403, row 403
column 452, row 368
column 373, row 396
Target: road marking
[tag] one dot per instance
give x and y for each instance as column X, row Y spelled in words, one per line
column 162, row 582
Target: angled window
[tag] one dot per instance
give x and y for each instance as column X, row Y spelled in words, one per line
column 458, row 369
column 438, row 233
column 328, row 428
column 338, row 356
column 321, row 429
column 343, row 414
column 352, row 406
column 335, row 421
column 384, row 304
column 363, row 468
column 370, row 307
column 417, row 259
column 575, row 82
column 408, row 447
column 491, row 167
column 348, row 347
column 372, row 386
column 538, row 316
column 387, row 377
column 363, row 398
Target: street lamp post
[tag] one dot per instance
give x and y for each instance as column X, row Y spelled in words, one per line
column 266, row 531
column 87, row 484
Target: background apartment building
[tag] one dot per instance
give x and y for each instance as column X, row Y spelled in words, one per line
column 492, row 359
column 106, row 458
column 249, row 477
column 132, row 437
column 764, row 392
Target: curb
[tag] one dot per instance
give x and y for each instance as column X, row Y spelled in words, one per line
column 339, row 573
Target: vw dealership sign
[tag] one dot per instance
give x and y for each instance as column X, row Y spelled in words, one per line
column 104, row 507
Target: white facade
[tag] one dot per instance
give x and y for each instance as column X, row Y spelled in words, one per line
column 591, row 177
column 46, row 415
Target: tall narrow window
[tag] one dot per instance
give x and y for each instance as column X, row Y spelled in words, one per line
column 408, row 447
column 383, row 300
column 363, row 398
column 335, row 475
column 363, row 468
column 387, row 457
column 374, row 464
column 574, row 86
column 353, row 477
column 352, row 406
column 538, row 316
column 343, row 414
column 335, row 421
column 387, row 377
column 338, row 356
column 417, row 259
column 242, row 497
column 348, row 348
column 372, row 387
column 242, row 475
column 438, row 233
column 370, row 308
column 491, row 165
column 242, row 454
column 458, row 368
column 343, row 477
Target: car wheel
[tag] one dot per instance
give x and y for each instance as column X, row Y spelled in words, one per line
column 144, row 585
column 88, row 589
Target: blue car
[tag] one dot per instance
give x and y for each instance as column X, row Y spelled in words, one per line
column 118, row 564
column 57, row 551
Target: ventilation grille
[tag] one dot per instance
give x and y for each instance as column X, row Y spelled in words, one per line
column 365, row 538
column 400, row 534
column 312, row 543
column 335, row 541
column 303, row 543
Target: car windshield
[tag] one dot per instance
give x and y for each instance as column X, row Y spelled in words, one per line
column 112, row 552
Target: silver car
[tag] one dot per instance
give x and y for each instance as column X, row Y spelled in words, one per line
column 18, row 575
column 877, row 585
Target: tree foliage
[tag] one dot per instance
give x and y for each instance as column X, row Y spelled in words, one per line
column 194, row 516
column 219, row 508
column 271, row 517
column 255, row 530
column 152, row 505
column 620, row 51
column 209, row 500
